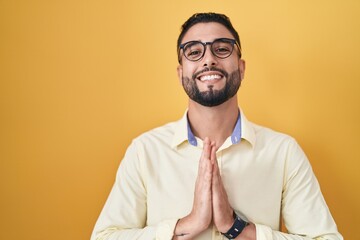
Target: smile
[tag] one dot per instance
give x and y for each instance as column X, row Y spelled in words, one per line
column 210, row 77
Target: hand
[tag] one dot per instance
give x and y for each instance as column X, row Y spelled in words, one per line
column 210, row 201
column 201, row 215
column 202, row 208
column 222, row 211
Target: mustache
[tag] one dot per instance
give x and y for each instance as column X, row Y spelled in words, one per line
column 207, row 69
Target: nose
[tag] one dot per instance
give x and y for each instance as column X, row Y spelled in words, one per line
column 209, row 58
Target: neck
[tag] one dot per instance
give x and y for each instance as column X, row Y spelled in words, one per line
column 216, row 123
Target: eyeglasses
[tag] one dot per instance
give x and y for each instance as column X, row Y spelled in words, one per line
column 221, row 48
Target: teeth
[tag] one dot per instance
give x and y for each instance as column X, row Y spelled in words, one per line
column 209, row 77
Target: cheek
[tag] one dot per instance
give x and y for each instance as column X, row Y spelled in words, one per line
column 188, row 70
column 233, row 65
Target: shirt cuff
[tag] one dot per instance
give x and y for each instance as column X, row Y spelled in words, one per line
column 263, row 232
column 165, row 229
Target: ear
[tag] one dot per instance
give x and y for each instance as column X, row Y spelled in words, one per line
column 242, row 68
column 180, row 73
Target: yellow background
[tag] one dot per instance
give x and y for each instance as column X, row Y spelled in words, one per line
column 80, row 79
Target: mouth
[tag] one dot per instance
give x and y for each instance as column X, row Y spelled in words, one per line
column 210, row 77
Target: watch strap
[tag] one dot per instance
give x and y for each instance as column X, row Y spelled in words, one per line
column 236, row 228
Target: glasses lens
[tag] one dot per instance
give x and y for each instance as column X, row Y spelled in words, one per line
column 222, row 48
column 193, row 51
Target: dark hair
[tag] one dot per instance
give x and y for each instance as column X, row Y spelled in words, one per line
column 207, row 18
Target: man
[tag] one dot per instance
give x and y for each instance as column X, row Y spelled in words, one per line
column 213, row 174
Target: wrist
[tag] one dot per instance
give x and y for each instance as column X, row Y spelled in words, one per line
column 238, row 226
column 198, row 220
column 188, row 227
column 227, row 222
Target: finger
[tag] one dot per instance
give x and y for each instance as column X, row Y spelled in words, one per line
column 205, row 156
column 207, row 149
column 214, row 158
column 207, row 160
column 209, row 172
column 216, row 179
column 202, row 165
column 205, row 166
column 213, row 153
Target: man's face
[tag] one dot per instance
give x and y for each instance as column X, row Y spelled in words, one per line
column 210, row 81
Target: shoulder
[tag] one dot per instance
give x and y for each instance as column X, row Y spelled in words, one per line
column 281, row 145
column 159, row 135
column 277, row 144
column 269, row 133
column 260, row 136
column 150, row 142
column 266, row 136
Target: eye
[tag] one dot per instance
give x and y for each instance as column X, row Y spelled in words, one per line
column 222, row 48
column 193, row 51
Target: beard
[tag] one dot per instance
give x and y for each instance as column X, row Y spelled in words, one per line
column 211, row 97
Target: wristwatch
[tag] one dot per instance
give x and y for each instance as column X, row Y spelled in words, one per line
column 236, row 228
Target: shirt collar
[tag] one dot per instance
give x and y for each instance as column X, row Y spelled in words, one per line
column 235, row 136
column 247, row 129
column 180, row 132
column 242, row 130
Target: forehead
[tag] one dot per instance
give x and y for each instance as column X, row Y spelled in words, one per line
column 206, row 32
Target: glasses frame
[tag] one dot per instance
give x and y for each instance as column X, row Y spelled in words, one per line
column 232, row 41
